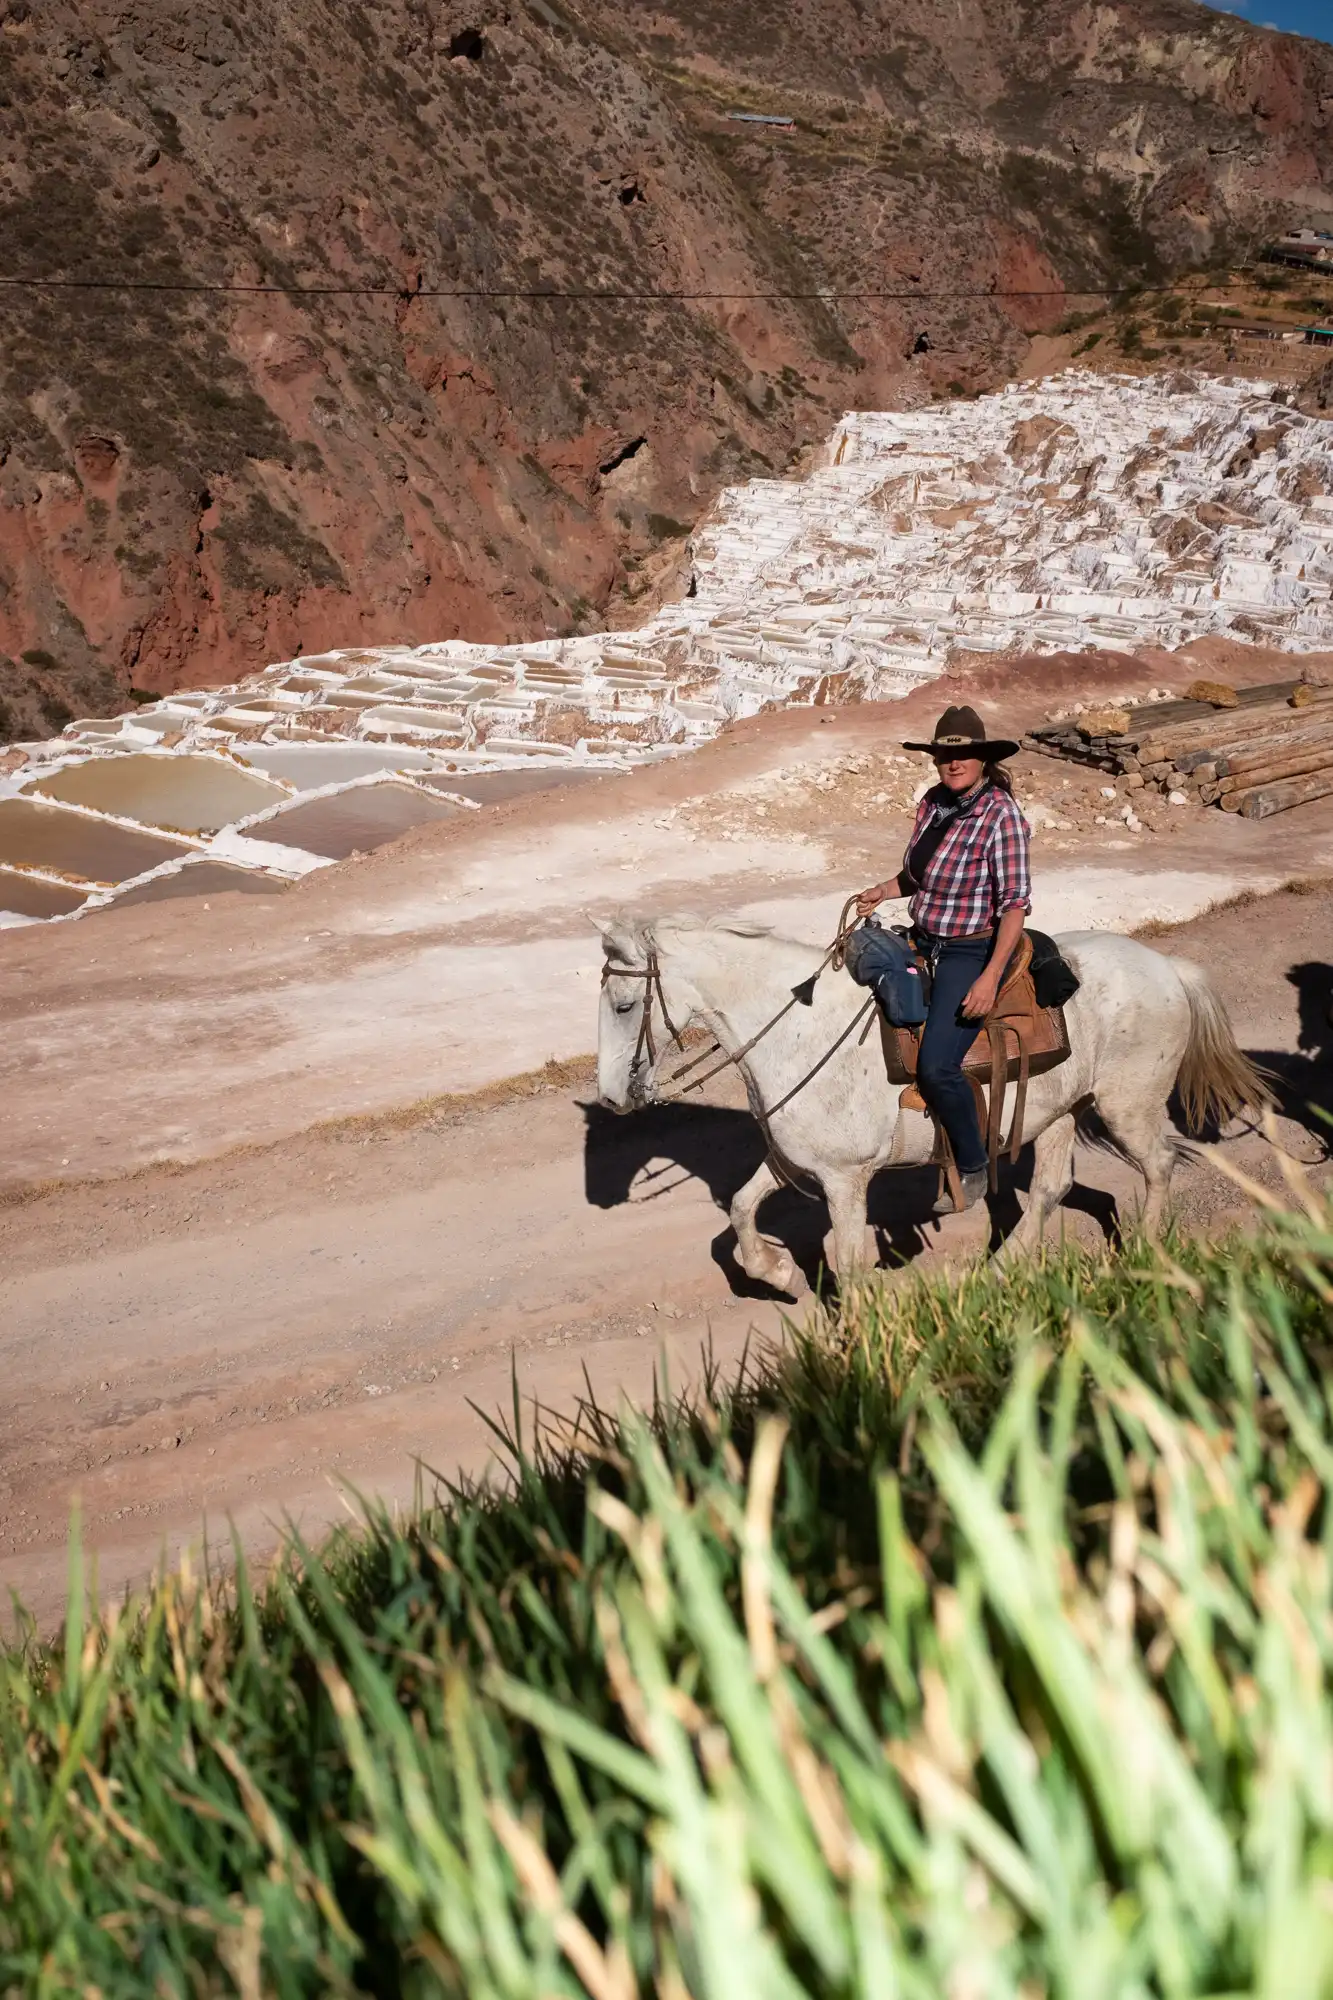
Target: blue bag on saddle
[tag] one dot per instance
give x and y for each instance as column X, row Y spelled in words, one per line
column 884, row 962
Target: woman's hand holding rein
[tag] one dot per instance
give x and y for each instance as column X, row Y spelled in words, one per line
column 870, row 899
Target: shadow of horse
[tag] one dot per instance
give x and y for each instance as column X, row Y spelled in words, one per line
column 647, row 1155
column 1301, row 1079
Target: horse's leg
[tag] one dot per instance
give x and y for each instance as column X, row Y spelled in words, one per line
column 766, row 1262
column 846, row 1198
column 1052, row 1178
column 1141, row 1129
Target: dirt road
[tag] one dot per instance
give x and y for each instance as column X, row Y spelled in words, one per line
column 238, row 1338
column 241, row 1337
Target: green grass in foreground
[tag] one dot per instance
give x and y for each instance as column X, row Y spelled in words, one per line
column 981, row 1647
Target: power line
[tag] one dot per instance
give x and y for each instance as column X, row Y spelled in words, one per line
column 406, row 292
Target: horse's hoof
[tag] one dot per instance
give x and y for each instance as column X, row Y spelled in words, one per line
column 778, row 1269
column 782, row 1277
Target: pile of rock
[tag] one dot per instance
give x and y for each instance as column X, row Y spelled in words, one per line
column 1084, row 807
column 804, row 799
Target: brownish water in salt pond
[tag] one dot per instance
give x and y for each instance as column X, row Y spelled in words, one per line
column 185, row 794
column 29, row 896
column 41, row 836
column 310, row 765
column 492, row 788
column 354, row 821
column 201, row 878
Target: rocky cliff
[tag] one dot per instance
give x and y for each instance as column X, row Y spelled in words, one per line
column 198, row 474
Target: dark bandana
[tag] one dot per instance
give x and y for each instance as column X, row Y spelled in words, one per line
column 927, row 843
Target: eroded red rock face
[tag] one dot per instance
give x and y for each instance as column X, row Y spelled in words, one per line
column 194, row 482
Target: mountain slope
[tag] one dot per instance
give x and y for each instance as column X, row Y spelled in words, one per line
column 196, row 481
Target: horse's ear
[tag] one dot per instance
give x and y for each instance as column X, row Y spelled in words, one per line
column 618, row 939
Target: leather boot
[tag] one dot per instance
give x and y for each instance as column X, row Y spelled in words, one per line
column 973, row 1188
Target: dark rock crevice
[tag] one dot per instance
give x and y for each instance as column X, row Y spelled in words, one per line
column 620, row 457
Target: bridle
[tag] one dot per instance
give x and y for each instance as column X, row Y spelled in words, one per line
column 802, row 995
column 652, row 973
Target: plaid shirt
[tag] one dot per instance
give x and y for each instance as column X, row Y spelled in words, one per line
column 980, row 868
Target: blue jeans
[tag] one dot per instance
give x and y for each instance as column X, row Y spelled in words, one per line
column 945, row 1040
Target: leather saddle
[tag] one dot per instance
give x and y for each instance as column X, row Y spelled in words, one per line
column 1018, row 1039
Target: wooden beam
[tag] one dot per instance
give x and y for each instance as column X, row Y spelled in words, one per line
column 1261, row 801
column 1265, row 748
column 1296, row 764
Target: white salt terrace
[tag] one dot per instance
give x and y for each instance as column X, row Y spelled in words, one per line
column 1080, row 511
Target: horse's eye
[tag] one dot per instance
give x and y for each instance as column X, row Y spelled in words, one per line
column 623, row 1006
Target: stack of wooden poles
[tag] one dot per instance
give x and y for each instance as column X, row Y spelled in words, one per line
column 1252, row 761
column 1269, row 748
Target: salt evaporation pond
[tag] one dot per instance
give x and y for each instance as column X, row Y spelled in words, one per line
column 68, row 843
column 183, row 794
column 201, row 878
column 32, row 896
column 354, row 821
column 311, row 766
column 492, row 788
column 1080, row 512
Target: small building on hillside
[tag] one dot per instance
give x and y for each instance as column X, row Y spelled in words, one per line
column 1237, row 329
column 1302, row 250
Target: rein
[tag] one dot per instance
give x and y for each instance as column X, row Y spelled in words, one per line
column 802, row 995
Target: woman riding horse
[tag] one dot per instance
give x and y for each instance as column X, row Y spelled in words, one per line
column 966, row 872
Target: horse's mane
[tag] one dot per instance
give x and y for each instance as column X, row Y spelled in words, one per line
column 729, row 922
column 635, row 924
column 627, row 934
column 738, row 926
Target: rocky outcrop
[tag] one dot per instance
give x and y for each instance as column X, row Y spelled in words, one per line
column 196, row 480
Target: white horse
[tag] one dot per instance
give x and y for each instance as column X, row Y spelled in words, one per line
column 1139, row 1024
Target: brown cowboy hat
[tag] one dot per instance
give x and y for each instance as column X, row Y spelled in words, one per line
column 960, row 732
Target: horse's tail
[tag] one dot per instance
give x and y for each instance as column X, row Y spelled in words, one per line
column 1216, row 1078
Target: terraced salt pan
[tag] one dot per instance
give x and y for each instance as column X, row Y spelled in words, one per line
column 79, row 846
column 356, row 820
column 200, row 878
column 1081, row 511
column 181, row 794
column 27, row 895
column 311, row 766
column 491, row 788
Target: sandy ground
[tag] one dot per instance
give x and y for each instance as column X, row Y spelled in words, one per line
column 212, row 1309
